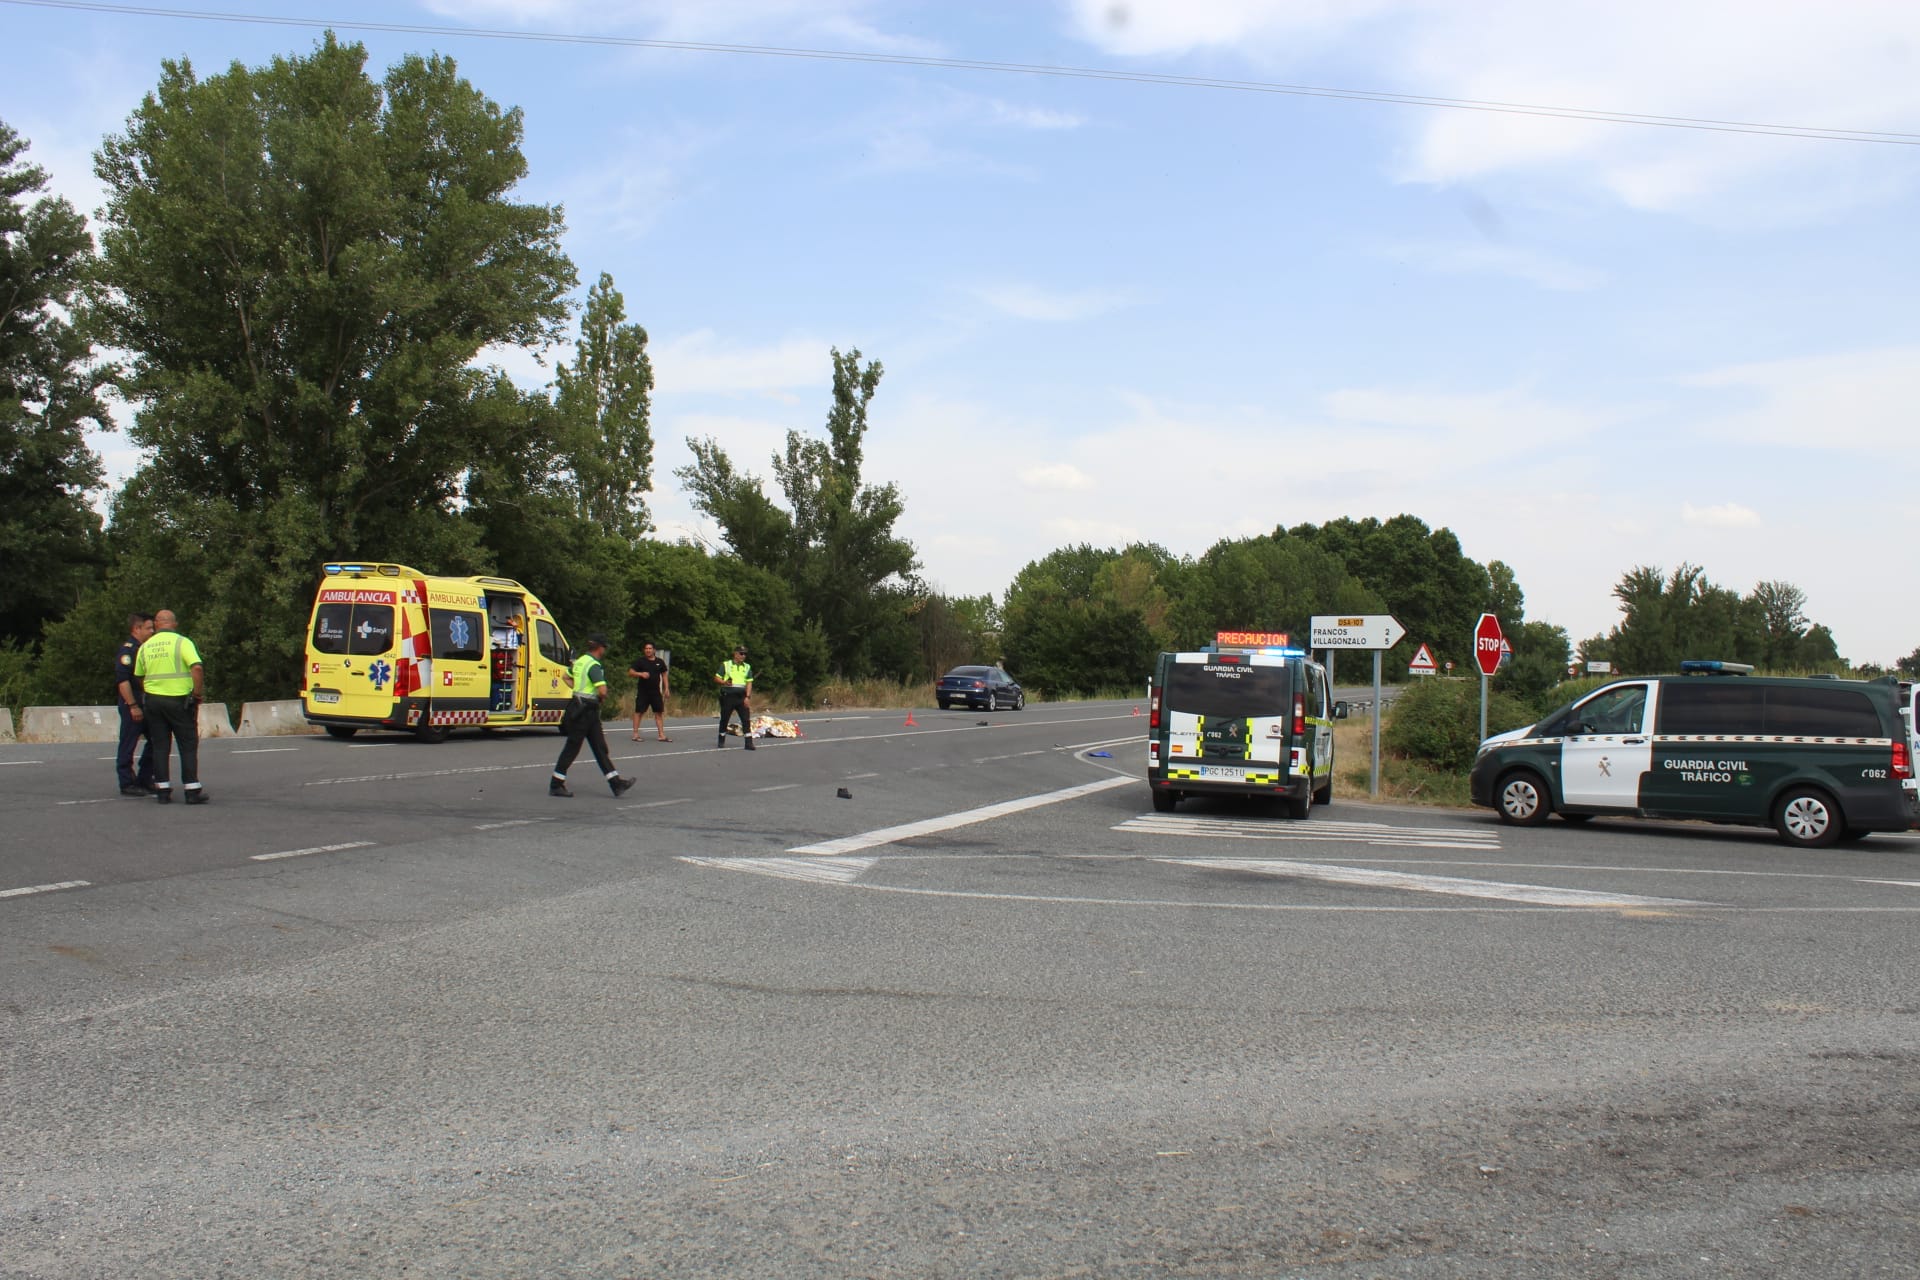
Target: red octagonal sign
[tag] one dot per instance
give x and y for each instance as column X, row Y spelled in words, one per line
column 1487, row 642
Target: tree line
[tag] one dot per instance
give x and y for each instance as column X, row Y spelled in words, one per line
column 298, row 271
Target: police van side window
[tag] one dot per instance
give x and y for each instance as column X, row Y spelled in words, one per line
column 1822, row 713
column 1716, row 707
column 1619, row 710
column 330, row 624
column 372, row 629
column 457, row 636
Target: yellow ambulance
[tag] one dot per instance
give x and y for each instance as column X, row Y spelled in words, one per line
column 393, row 648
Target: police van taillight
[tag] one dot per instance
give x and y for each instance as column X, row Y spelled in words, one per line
column 1902, row 762
column 1299, row 714
column 1153, row 711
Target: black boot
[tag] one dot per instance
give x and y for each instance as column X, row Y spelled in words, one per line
column 558, row 787
column 619, row 786
column 196, row 795
column 164, row 795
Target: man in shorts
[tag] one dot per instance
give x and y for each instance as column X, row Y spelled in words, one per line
column 650, row 692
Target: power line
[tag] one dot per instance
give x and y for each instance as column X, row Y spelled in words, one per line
column 1813, row 133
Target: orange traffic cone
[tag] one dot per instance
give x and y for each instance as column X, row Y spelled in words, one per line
column 1136, row 711
column 909, row 724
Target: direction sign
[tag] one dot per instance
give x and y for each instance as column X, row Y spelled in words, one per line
column 1423, row 663
column 1370, row 631
column 1487, row 643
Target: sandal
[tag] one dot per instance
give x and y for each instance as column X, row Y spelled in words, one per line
column 665, row 738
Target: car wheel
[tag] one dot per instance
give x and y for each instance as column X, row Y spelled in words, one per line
column 1523, row 799
column 1808, row 818
column 1020, row 701
column 943, row 703
column 342, row 730
column 1164, row 801
column 993, row 702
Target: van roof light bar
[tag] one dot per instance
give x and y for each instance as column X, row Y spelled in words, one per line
column 1714, row 667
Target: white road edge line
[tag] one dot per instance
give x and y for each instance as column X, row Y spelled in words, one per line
column 932, row 826
column 319, row 848
column 1538, row 895
column 44, row 888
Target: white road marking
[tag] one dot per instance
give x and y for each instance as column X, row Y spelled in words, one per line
column 785, row 786
column 4, row 763
column 108, row 800
column 1538, row 895
column 855, row 777
column 43, row 888
column 1378, row 834
column 426, row 773
column 319, row 848
column 819, row 870
column 516, row 822
column 658, row 804
column 1018, row 755
column 260, row 751
column 1904, row 884
column 931, row 826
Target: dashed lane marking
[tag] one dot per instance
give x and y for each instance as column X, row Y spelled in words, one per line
column 819, row 870
column 785, row 786
column 1904, row 884
column 932, row 826
column 1367, row 877
column 260, row 751
column 658, row 804
column 44, row 888
column 515, row 822
column 319, row 848
column 5, row 763
column 107, row 800
column 1378, row 834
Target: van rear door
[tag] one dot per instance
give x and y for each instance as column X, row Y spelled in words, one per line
column 1226, row 715
column 350, row 653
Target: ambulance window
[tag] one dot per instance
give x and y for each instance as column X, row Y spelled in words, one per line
column 1695, row 705
column 1822, row 713
column 371, row 630
column 457, row 636
column 330, row 623
column 548, row 637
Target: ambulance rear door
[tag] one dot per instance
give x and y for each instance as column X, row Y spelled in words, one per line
column 350, row 651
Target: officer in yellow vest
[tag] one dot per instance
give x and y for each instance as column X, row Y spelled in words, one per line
column 582, row 721
column 735, row 679
column 173, row 684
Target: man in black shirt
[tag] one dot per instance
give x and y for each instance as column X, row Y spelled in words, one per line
column 133, row 716
column 649, row 673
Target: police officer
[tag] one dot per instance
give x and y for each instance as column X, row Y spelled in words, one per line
column 582, row 721
column 173, row 686
column 735, row 679
column 133, row 717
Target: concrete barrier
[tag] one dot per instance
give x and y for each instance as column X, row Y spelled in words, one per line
column 6, row 725
column 214, row 720
column 69, row 724
column 266, row 719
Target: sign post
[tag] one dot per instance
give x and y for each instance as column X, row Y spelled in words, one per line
column 1376, row 631
column 1489, row 645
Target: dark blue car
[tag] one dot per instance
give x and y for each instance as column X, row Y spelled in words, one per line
column 987, row 688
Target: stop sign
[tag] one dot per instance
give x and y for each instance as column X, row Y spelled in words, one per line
column 1487, row 643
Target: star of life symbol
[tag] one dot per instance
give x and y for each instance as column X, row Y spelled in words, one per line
column 1606, row 767
column 458, row 632
column 379, row 673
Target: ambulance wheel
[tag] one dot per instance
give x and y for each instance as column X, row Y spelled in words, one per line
column 1523, row 799
column 1808, row 818
column 1163, row 801
column 430, row 732
column 342, row 730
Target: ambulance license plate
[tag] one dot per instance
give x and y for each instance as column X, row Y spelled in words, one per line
column 1222, row 772
column 325, row 695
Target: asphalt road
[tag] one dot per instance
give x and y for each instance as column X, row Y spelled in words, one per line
column 386, row 1009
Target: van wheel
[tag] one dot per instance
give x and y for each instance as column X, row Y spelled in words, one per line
column 342, row 730
column 1576, row 818
column 430, row 732
column 1808, row 818
column 1523, row 799
column 1324, row 796
column 1163, row 801
column 1299, row 810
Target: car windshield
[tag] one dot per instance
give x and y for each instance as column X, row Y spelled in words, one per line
column 1221, row 689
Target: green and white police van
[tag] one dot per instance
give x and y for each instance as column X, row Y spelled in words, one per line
column 1819, row 760
column 1248, row 716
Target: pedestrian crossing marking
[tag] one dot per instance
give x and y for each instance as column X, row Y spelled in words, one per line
column 1376, row 834
column 1368, row 877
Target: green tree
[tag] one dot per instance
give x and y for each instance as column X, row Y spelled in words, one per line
column 1418, row 574
column 50, row 546
column 1910, row 665
column 604, row 399
column 835, row 540
column 304, row 263
column 1264, row 584
column 1066, row 632
column 1541, row 652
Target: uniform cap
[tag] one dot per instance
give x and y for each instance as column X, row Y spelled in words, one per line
column 596, row 641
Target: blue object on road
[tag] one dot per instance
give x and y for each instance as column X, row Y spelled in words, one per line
column 1105, row 754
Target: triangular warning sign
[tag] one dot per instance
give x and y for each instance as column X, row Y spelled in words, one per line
column 1423, row 663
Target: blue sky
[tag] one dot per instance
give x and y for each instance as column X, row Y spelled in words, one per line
column 1116, row 311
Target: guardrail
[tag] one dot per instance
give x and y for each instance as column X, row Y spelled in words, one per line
column 100, row 724
column 271, row 719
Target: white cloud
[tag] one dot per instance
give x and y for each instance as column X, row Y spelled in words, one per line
column 1056, row 477
column 702, row 362
column 764, row 22
column 1852, row 66
column 1852, row 401
column 1728, row 515
column 1029, row 302
column 1031, row 117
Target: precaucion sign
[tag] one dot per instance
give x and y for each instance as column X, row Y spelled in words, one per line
column 1370, row 631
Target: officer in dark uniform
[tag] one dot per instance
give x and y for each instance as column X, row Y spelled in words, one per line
column 133, row 717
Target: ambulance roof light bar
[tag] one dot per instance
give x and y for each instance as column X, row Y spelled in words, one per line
column 360, row 570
